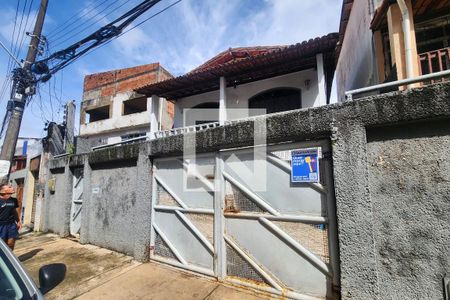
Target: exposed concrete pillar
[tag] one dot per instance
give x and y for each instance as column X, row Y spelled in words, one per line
column 223, row 101
column 354, row 217
column 321, row 81
column 70, row 127
column 142, row 220
column 44, row 176
column 153, row 108
column 87, row 193
column 66, row 199
column 28, row 198
column 396, row 38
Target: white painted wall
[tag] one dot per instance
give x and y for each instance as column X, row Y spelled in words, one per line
column 237, row 97
column 356, row 65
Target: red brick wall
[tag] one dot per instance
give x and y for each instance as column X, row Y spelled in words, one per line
column 123, row 80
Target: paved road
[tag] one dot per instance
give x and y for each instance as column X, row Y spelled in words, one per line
column 96, row 273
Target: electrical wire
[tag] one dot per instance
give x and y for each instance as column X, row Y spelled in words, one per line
column 51, row 101
column 7, row 79
column 17, row 49
column 13, row 37
column 69, row 36
column 99, row 37
column 25, row 27
column 60, row 30
column 96, row 40
column 140, row 23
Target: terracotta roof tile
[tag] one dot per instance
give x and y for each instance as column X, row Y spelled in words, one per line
column 268, row 63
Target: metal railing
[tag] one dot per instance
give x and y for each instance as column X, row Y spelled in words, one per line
column 140, row 138
column 434, row 61
column 349, row 94
column 195, row 128
column 181, row 130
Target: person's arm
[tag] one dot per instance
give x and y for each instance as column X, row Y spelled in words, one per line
column 18, row 209
column 17, row 214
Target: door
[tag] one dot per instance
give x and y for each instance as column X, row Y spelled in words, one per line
column 183, row 214
column 77, row 202
column 279, row 237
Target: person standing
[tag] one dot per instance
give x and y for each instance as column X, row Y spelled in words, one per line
column 9, row 218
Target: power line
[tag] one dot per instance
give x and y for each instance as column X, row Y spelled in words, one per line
column 151, row 17
column 83, row 29
column 75, row 17
column 17, row 49
column 58, row 60
column 8, row 68
column 10, row 54
column 25, row 27
column 13, row 35
column 140, row 23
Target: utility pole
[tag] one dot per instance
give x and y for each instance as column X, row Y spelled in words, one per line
column 22, row 88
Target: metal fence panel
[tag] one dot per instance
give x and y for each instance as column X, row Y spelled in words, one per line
column 281, row 239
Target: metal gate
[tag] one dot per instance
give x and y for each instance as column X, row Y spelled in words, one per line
column 77, row 202
column 280, row 239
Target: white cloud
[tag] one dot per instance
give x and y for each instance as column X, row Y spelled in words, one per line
column 197, row 31
column 292, row 21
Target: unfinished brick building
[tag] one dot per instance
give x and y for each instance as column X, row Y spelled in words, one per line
column 112, row 112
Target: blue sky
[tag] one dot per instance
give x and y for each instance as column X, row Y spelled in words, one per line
column 180, row 38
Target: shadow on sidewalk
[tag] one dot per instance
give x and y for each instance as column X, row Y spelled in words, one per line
column 30, row 254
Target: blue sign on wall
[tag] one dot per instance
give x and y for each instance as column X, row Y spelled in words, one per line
column 305, row 165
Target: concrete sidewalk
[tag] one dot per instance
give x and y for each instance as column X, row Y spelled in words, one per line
column 96, row 273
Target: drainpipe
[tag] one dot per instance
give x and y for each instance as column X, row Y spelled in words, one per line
column 407, row 38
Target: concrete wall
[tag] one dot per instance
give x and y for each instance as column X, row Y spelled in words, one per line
column 391, row 175
column 356, row 63
column 237, row 97
column 116, row 200
column 56, row 207
column 409, row 176
column 110, row 209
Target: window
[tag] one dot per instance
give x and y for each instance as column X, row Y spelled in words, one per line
column 133, row 106
column 208, row 105
column 97, row 114
column 11, row 285
column 19, row 163
column 126, row 138
column 132, row 136
column 277, row 100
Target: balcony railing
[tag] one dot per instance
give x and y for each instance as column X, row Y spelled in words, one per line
column 435, row 61
column 195, row 128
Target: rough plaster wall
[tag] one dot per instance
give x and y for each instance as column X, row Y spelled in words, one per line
column 355, row 67
column 141, row 221
column 57, row 205
column 111, row 208
column 354, row 212
column 360, row 214
column 409, row 184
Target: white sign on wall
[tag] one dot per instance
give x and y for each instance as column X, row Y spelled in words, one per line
column 4, row 167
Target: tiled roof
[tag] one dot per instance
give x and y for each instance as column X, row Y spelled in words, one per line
column 271, row 62
column 236, row 54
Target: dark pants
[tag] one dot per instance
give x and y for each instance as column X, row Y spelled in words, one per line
column 9, row 231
